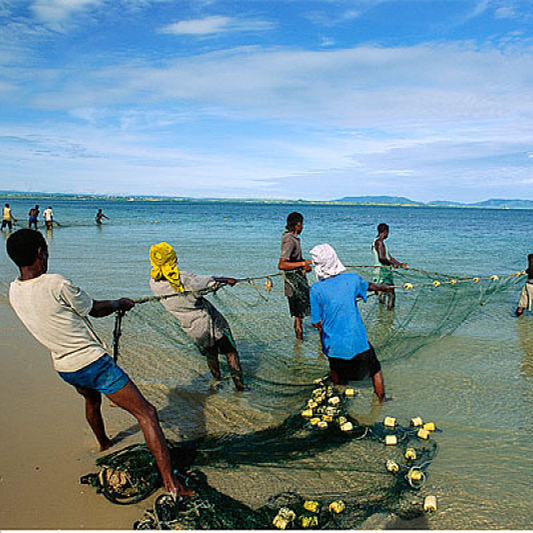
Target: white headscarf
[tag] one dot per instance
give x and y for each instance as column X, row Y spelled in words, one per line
column 326, row 262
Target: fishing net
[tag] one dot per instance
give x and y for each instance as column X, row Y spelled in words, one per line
column 255, row 455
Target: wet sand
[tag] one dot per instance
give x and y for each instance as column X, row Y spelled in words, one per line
column 47, row 445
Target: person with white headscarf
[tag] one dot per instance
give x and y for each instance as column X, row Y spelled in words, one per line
column 335, row 314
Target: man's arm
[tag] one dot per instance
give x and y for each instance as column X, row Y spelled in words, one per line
column 380, row 287
column 387, row 260
column 293, row 265
column 103, row 308
column 227, row 281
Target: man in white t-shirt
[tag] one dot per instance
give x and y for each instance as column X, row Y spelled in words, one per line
column 56, row 314
column 48, row 216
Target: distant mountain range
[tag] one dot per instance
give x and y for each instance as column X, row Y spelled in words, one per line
column 495, row 203
column 500, row 203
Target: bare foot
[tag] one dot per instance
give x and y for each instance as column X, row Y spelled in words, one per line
column 106, row 444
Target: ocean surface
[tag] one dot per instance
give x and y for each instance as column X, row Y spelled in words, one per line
column 472, row 374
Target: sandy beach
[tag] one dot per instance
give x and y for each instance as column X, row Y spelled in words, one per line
column 47, row 445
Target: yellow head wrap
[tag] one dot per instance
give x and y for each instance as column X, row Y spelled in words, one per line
column 164, row 261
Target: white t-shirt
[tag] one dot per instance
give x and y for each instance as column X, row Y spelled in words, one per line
column 55, row 313
column 48, row 214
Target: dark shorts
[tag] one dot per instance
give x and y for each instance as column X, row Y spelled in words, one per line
column 33, row 220
column 7, row 223
column 299, row 305
column 364, row 365
column 297, row 287
column 224, row 345
column 103, row 375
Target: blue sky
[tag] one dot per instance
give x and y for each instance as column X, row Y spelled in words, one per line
column 268, row 99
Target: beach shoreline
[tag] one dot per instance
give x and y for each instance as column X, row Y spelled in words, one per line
column 47, row 445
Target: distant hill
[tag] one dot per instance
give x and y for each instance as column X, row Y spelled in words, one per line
column 497, row 203
column 378, row 200
column 503, row 203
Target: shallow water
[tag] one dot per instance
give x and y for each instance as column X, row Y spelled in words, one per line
column 476, row 384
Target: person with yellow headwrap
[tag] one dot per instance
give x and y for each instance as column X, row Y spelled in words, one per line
column 199, row 318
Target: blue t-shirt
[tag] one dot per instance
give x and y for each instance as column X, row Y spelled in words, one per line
column 333, row 300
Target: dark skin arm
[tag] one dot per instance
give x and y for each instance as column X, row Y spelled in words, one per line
column 293, row 265
column 103, row 308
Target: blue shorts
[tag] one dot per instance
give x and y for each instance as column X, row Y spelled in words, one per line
column 103, row 375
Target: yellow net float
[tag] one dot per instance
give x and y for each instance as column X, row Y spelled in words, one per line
column 337, row 507
column 410, row 454
column 311, row 505
column 268, row 285
column 391, row 440
column 475, row 280
column 423, row 434
column 284, row 517
column 349, row 393
column 429, row 426
column 417, row 422
column 309, row 521
column 408, row 286
column 430, row 504
column 392, row 467
column 436, row 283
column 453, row 281
column 495, row 277
column 389, row 422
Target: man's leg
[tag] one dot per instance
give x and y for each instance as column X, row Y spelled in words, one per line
column 298, row 327
column 93, row 413
column 392, row 300
column 235, row 369
column 213, row 363
column 519, row 311
column 131, row 399
column 379, row 386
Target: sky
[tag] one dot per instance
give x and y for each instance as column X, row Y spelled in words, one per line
column 292, row 99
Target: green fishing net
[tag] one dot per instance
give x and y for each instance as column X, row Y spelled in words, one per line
column 249, row 456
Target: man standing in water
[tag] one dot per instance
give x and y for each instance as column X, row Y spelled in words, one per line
column 56, row 314
column 294, row 268
column 100, row 217
column 383, row 262
column 48, row 216
column 33, row 214
column 335, row 314
column 199, row 318
column 7, row 218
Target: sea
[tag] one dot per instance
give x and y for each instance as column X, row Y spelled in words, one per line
column 475, row 381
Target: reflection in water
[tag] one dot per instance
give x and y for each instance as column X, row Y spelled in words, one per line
column 525, row 334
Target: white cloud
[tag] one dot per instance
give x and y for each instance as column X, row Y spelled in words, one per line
column 506, row 12
column 57, row 13
column 215, row 24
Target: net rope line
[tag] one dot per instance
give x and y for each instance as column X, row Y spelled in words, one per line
column 452, row 280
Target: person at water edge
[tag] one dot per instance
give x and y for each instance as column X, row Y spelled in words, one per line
column 33, row 214
column 294, row 268
column 100, row 217
column 526, row 296
column 200, row 320
column 48, row 216
column 56, row 313
column 7, row 218
column 335, row 314
column 383, row 262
